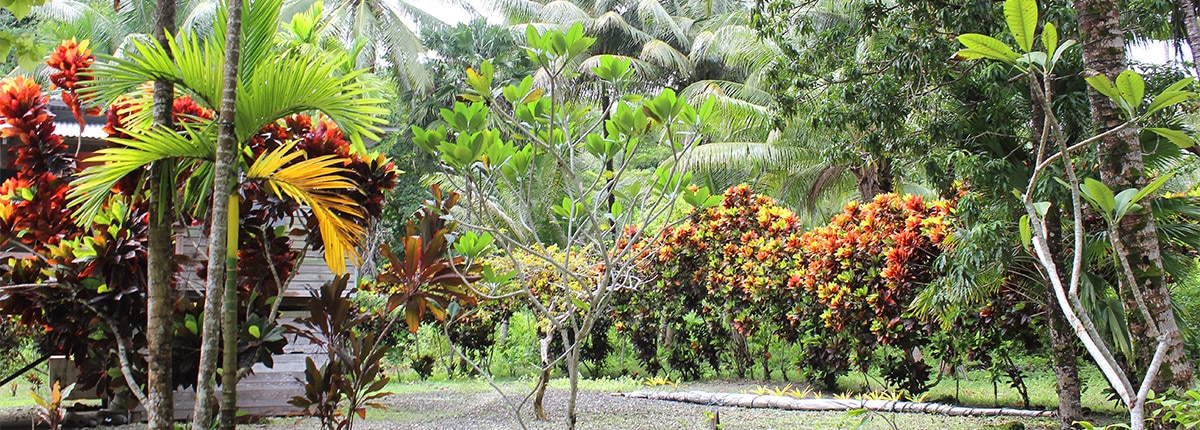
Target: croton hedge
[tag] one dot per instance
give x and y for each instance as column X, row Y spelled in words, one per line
column 861, row 272
column 737, row 275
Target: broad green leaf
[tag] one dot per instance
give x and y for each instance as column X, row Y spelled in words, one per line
column 988, row 47
column 1050, row 38
column 1105, row 86
column 1123, row 201
column 1177, row 137
column 1132, row 88
column 1179, row 85
column 1036, row 57
column 1022, row 16
column 1171, row 95
column 1041, row 208
column 1026, row 232
column 1058, row 53
column 1152, row 187
column 1100, row 195
column 1167, row 99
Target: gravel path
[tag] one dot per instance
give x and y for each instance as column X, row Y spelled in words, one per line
column 450, row 408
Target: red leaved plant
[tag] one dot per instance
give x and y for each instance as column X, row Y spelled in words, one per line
column 427, row 278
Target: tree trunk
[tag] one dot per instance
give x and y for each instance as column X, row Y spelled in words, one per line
column 1188, row 7
column 1062, row 338
column 160, row 292
column 223, row 180
column 874, row 178
column 1121, row 167
column 229, row 320
column 539, row 395
column 573, row 377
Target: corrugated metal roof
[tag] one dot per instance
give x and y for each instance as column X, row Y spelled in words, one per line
column 71, row 129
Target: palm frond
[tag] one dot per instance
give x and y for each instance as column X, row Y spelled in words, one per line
column 302, row 83
column 319, row 184
column 612, row 21
column 119, row 76
column 564, row 12
column 739, row 113
column 517, row 11
column 199, row 18
column 654, row 16
column 69, row 12
column 739, row 155
column 738, row 47
column 664, row 55
column 145, row 147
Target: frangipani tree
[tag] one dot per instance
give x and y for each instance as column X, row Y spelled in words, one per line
column 604, row 209
column 1128, row 93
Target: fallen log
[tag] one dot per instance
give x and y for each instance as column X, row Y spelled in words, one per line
column 795, row 404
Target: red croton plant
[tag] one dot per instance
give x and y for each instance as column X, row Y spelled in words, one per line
column 747, row 268
column 69, row 60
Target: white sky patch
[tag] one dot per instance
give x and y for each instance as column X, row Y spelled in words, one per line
column 1158, row 52
column 1152, row 51
column 452, row 14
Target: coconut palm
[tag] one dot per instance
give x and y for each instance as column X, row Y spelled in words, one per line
column 379, row 34
column 272, row 82
column 112, row 31
column 656, row 36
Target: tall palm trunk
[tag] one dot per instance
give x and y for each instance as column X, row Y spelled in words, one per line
column 1121, row 167
column 160, row 293
column 1188, row 7
column 218, row 250
column 229, row 318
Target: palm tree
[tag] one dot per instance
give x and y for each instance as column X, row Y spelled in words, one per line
column 160, row 293
column 112, row 31
column 269, row 85
column 379, row 34
column 656, row 37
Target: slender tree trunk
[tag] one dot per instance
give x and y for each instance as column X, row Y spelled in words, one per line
column 573, row 376
column 874, row 178
column 1121, row 167
column 539, row 395
column 160, row 292
column 1188, row 7
column 1062, row 338
column 223, row 180
column 229, row 320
